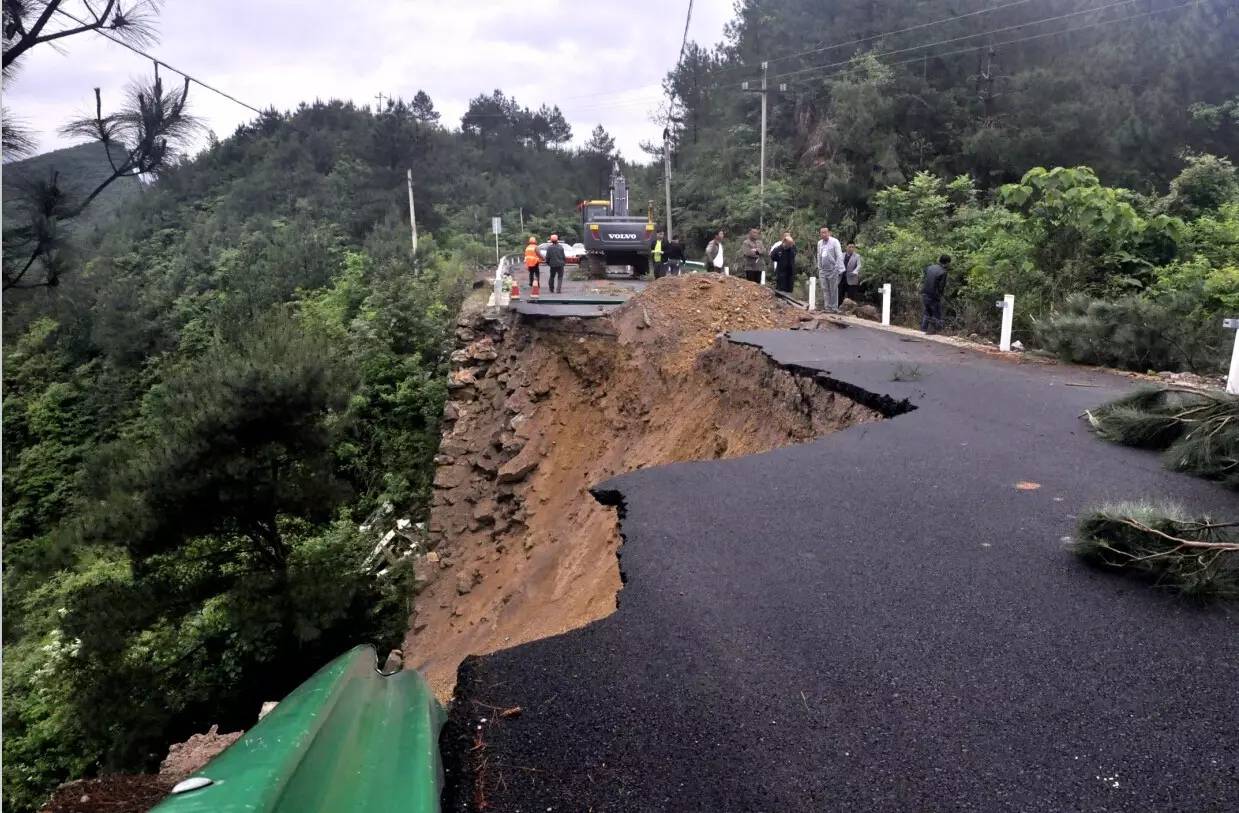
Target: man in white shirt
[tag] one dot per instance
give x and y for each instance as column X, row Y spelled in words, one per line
column 715, row 253
column 829, row 268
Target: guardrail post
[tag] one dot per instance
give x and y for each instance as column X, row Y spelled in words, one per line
column 1008, row 316
column 1232, row 378
column 763, row 277
column 812, row 293
column 886, row 304
column 726, row 270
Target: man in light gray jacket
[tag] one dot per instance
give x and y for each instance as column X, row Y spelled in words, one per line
column 829, row 268
column 850, row 281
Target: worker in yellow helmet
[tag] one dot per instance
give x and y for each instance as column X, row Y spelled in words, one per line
column 533, row 260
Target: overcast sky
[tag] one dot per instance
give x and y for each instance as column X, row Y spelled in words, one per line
column 600, row 62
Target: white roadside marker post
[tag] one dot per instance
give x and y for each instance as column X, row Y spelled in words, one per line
column 763, row 277
column 886, row 304
column 1232, row 378
column 812, row 293
column 1008, row 316
column 726, row 270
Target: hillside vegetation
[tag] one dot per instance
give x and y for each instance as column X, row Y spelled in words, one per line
column 241, row 363
column 79, row 169
column 243, row 367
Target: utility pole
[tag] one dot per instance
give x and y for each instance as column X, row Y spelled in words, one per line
column 985, row 82
column 765, row 92
column 412, row 215
column 380, row 98
column 761, row 192
column 522, row 220
column 988, row 76
column 667, row 174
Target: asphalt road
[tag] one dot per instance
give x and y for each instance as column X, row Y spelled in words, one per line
column 879, row 620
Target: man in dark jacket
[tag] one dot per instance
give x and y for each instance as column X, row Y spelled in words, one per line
column 555, row 261
column 784, row 258
column 932, row 288
column 752, row 255
column 675, row 255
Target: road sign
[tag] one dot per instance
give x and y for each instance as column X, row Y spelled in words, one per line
column 496, row 226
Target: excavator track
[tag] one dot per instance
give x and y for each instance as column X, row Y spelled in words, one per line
column 596, row 266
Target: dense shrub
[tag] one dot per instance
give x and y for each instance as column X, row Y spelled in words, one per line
column 1100, row 275
column 1134, row 333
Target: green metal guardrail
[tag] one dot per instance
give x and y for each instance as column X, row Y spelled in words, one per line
column 347, row 739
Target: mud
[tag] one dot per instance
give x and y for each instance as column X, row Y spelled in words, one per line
column 543, row 410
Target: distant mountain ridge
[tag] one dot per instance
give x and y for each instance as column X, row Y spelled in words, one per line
column 81, row 169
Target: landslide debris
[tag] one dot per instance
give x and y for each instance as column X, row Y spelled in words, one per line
column 542, row 410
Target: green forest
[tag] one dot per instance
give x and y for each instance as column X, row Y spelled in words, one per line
column 223, row 385
column 212, row 383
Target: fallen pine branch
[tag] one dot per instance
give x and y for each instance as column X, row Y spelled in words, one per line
column 1197, row 431
column 1195, row 557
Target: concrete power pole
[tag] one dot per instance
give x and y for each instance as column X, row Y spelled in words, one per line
column 764, row 90
column 667, row 174
column 761, row 192
column 412, row 214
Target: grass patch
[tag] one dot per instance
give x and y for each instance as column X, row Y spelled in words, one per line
column 907, row 372
column 1194, row 556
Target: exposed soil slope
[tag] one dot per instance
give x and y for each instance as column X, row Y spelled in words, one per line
column 544, row 410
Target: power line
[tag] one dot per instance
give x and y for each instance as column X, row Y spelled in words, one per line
column 886, row 34
column 160, row 62
column 688, row 18
column 975, row 48
column 1055, row 18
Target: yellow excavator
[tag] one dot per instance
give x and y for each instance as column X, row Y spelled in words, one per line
column 616, row 242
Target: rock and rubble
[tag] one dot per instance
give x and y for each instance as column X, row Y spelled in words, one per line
column 542, row 410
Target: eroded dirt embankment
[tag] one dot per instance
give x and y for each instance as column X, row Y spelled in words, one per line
column 542, row 411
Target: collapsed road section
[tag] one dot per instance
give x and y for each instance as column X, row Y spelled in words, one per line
column 885, row 618
column 543, row 409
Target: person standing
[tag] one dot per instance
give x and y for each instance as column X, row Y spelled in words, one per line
column 829, row 268
column 932, row 288
column 533, row 261
column 657, row 250
column 715, row 254
column 752, row 255
column 784, row 257
column 674, row 255
column 555, row 261
column 850, row 279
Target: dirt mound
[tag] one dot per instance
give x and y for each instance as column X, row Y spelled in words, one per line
column 681, row 316
column 542, row 411
column 185, row 758
column 114, row 793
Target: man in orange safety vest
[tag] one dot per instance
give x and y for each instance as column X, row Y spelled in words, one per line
column 532, row 260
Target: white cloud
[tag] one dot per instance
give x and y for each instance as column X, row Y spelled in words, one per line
column 601, row 63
